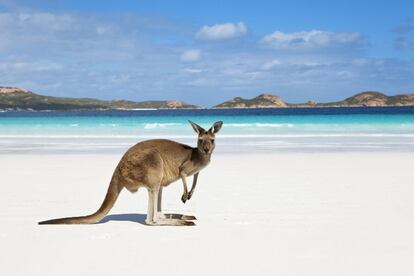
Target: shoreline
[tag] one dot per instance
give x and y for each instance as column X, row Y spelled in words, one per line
column 210, row 108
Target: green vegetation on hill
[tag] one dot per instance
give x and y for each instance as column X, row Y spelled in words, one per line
column 24, row 100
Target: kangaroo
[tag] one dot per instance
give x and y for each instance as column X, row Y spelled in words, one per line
column 155, row 164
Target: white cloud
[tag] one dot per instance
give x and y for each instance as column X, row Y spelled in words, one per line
column 403, row 43
column 44, row 21
column 104, row 30
column 222, row 31
column 22, row 66
column 193, row 70
column 310, row 39
column 191, row 55
column 271, row 64
column 360, row 61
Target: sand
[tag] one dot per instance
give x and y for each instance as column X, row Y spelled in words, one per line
column 269, row 214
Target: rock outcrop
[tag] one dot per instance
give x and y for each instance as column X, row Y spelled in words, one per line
column 261, row 101
column 9, row 90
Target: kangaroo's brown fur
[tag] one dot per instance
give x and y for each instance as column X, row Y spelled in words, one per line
column 155, row 164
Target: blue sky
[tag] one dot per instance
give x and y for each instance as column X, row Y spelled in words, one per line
column 205, row 52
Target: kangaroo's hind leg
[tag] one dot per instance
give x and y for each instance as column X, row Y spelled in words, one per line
column 159, row 208
column 150, row 210
column 152, row 214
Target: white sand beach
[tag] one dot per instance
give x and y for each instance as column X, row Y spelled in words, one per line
column 270, row 214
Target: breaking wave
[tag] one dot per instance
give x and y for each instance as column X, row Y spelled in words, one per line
column 160, row 125
column 247, row 125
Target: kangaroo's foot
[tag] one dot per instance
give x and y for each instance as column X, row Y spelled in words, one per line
column 187, row 217
column 176, row 216
column 170, row 222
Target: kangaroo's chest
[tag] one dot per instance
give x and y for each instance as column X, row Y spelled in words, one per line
column 192, row 168
column 188, row 169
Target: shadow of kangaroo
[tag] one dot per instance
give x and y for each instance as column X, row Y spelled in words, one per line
column 154, row 164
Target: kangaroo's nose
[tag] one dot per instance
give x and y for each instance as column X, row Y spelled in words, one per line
column 206, row 150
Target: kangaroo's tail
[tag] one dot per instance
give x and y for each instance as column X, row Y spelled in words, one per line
column 115, row 187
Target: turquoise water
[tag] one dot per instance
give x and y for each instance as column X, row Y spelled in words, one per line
column 106, row 131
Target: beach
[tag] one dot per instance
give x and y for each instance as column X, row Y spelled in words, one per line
column 286, row 213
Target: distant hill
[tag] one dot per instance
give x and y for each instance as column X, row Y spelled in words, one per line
column 261, row 101
column 368, row 98
column 373, row 98
column 12, row 98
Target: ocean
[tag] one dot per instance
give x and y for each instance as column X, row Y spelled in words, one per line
column 244, row 130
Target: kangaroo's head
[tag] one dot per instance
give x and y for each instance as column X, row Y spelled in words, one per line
column 206, row 138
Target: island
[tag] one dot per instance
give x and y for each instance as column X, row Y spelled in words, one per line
column 19, row 99
column 363, row 99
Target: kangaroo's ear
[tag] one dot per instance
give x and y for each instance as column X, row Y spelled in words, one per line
column 197, row 128
column 216, row 127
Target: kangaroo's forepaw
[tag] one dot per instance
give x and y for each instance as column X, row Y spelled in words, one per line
column 184, row 198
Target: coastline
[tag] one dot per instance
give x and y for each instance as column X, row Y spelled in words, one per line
column 214, row 108
column 328, row 110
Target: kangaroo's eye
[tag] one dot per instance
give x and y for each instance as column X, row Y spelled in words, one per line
column 212, row 141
